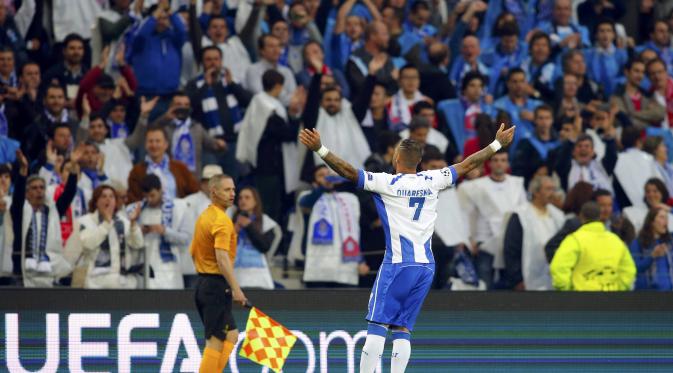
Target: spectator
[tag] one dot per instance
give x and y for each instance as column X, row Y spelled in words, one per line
column 435, row 82
column 601, row 263
column 376, row 43
column 486, row 211
column 219, row 103
column 573, row 62
column 417, row 31
column 399, row 111
column 660, row 42
column 576, row 161
column 605, row 61
column 165, row 234
column 426, row 110
column 459, row 114
column 187, row 137
column 527, row 232
column 651, row 252
column 8, row 76
column 421, row 131
column 234, row 55
column 100, row 88
column 616, row 222
column 177, row 180
column 23, row 104
column 69, row 71
column 370, row 104
column 564, row 33
column 533, row 151
column 328, row 112
column 36, row 135
column 656, row 147
column 539, row 67
column 258, row 239
column 656, row 197
column 303, row 29
column 662, row 89
column 281, row 30
column 518, row 104
column 452, row 232
column 601, row 123
column 37, row 251
column 591, row 13
column 633, row 168
column 61, row 141
column 156, row 53
column 269, row 49
column 108, row 240
column 639, row 107
column 11, row 36
column 507, row 53
column 382, row 159
column 267, row 136
column 332, row 237
column 486, row 129
column 313, row 50
column 470, row 60
column 567, row 106
column 347, row 34
column 575, row 199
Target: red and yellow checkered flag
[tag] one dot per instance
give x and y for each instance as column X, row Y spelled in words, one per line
column 266, row 341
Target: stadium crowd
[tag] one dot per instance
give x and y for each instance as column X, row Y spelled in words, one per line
column 114, row 114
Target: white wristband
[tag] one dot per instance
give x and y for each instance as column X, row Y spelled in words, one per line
column 322, row 152
column 495, row 146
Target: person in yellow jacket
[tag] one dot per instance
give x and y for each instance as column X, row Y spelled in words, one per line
column 592, row 258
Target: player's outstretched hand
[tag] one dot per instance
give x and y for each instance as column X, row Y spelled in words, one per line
column 505, row 136
column 310, row 138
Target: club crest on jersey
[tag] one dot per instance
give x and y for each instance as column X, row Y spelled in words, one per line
column 446, row 172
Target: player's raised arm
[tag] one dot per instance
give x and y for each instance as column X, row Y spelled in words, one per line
column 503, row 138
column 311, row 138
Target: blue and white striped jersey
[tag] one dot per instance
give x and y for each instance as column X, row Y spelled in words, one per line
column 407, row 205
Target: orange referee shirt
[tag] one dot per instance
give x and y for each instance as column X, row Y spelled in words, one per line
column 214, row 230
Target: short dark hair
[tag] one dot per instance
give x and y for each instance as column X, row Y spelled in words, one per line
column 28, row 63
column 387, row 139
column 261, row 41
column 411, row 151
column 565, row 60
column 150, row 182
column 72, row 37
column 514, row 70
column 537, row 35
column 420, row 106
column 654, row 61
column 544, row 107
column 5, row 168
column 508, row 29
column 630, row 136
column 315, row 171
column 632, row 61
column 271, row 78
column 210, row 48
column 584, row 137
column 469, row 77
column 418, row 5
column 310, row 42
column 157, row 128
column 54, row 85
column 56, row 126
column 418, row 122
column 652, row 143
column 431, row 153
column 408, row 67
column 600, row 193
column 217, row 17
column 6, row 49
column 590, row 212
column 330, row 88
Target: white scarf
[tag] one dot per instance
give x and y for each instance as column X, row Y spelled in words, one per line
column 451, row 224
column 342, row 134
column 593, row 173
column 634, row 167
column 537, row 230
column 261, row 108
column 339, row 212
column 400, row 108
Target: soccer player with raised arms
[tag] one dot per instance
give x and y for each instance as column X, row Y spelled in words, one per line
column 406, row 203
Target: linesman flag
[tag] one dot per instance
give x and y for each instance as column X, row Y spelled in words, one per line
column 266, row 341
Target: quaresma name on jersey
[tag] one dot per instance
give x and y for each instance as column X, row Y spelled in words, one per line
column 407, row 206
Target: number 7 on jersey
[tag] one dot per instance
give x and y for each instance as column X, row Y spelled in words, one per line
column 417, row 201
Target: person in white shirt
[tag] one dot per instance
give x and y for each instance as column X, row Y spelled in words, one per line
column 527, row 232
column 486, row 211
column 634, row 167
column 269, row 49
column 107, row 240
column 166, row 235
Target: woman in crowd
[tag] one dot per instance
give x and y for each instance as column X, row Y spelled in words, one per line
column 258, row 238
column 652, row 253
column 656, row 196
column 108, row 241
column 657, row 148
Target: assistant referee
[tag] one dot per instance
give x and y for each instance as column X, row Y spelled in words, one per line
column 214, row 251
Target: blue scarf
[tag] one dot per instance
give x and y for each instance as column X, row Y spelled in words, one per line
column 4, row 128
column 33, row 242
column 104, row 259
column 163, row 172
column 118, row 130
column 210, row 107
